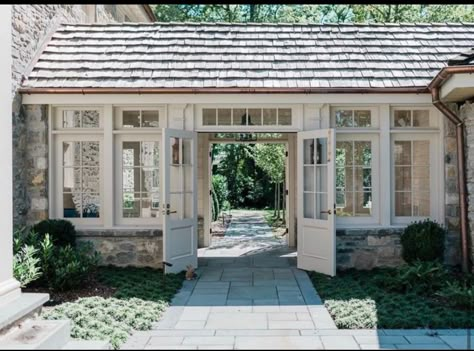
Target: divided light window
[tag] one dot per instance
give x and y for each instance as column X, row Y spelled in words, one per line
column 140, row 118
column 247, row 117
column 419, row 118
column 353, row 178
column 140, row 179
column 81, row 179
column 412, row 178
column 351, row 118
column 80, row 119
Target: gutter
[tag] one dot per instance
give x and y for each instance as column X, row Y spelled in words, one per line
column 420, row 90
column 434, row 86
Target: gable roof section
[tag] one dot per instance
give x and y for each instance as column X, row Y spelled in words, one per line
column 466, row 58
column 249, row 56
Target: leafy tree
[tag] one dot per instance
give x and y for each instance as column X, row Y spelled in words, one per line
column 271, row 158
column 334, row 13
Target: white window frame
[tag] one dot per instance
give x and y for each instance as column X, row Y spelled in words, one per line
column 434, row 179
column 296, row 119
column 435, row 122
column 118, row 121
column 434, row 134
column 58, row 118
column 345, row 222
column 374, row 117
column 118, row 179
column 58, row 181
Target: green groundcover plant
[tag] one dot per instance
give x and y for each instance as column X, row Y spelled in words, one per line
column 358, row 299
column 141, row 296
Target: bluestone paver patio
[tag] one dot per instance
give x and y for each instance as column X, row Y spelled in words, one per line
column 256, row 298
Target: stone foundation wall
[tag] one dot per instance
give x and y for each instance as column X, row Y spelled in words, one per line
column 121, row 247
column 379, row 247
column 368, row 248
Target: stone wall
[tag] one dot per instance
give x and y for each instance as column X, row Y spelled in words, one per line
column 467, row 114
column 30, row 165
column 452, row 210
column 368, row 248
column 32, row 26
column 126, row 247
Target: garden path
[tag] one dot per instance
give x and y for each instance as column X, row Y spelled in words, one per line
column 250, row 295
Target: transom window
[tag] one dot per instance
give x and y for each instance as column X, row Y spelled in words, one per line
column 411, row 118
column 347, row 117
column 136, row 118
column 247, row 116
column 80, row 119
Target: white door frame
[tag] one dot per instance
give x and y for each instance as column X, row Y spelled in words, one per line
column 180, row 231
column 316, row 217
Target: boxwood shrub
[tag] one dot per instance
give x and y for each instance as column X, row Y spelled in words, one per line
column 423, row 241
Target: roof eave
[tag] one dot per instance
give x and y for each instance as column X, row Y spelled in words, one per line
column 402, row 90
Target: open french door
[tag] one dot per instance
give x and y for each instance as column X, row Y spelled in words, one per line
column 316, row 202
column 179, row 200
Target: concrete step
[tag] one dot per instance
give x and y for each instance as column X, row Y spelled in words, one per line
column 37, row 335
column 19, row 308
column 87, row 345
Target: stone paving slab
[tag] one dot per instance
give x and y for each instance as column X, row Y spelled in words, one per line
column 262, row 301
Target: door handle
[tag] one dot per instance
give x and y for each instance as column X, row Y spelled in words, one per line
column 169, row 212
column 328, row 212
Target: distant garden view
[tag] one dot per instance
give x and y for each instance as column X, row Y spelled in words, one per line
column 248, row 176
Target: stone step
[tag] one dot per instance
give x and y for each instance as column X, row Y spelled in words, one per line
column 75, row 344
column 37, row 335
column 19, row 308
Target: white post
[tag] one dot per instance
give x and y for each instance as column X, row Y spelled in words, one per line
column 9, row 287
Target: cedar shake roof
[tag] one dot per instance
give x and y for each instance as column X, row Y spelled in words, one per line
column 231, row 55
column 466, row 58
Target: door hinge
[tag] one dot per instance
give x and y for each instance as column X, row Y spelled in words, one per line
column 286, row 191
column 210, row 230
column 286, row 153
column 210, row 192
column 210, row 154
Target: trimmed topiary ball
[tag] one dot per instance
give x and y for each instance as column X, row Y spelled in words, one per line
column 423, row 241
column 62, row 232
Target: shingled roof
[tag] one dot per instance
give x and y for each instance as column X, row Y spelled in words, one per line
column 466, row 58
column 230, row 55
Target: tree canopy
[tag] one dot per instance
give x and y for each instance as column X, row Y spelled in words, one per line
column 335, row 13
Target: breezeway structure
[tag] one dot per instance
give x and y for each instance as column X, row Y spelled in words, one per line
column 120, row 118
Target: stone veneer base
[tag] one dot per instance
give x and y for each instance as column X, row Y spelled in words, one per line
column 127, row 247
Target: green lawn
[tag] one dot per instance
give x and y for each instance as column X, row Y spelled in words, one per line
column 140, row 298
column 355, row 301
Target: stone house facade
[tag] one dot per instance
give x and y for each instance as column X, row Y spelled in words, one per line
column 359, row 86
column 32, row 27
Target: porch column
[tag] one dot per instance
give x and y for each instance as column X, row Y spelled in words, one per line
column 9, row 287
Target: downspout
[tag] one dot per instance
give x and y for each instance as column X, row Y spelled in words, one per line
column 441, row 106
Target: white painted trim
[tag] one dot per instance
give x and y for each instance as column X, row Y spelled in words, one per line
column 117, row 99
column 108, row 172
column 385, row 166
